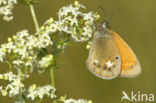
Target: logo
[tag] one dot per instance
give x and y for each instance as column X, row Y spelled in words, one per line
column 137, row 96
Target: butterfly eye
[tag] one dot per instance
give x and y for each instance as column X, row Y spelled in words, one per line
column 116, row 58
column 113, row 66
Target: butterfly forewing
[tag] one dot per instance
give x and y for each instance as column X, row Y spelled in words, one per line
column 104, row 57
column 130, row 65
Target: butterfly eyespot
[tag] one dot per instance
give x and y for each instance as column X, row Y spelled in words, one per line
column 116, row 58
column 104, row 67
column 114, row 66
column 131, row 66
column 94, row 63
column 109, row 69
column 98, row 66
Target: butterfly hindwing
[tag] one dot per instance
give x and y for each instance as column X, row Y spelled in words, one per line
column 104, row 57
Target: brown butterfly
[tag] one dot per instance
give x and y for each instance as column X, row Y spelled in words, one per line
column 110, row 56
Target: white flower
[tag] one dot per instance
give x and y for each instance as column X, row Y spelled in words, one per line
column 41, row 92
column 46, row 61
column 32, row 94
column 71, row 21
column 70, row 18
column 10, row 47
column 6, row 7
column 15, row 85
column 2, row 55
column 25, row 48
column 11, row 77
column 17, row 62
column 89, row 17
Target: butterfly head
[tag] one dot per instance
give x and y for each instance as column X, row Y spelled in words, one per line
column 105, row 24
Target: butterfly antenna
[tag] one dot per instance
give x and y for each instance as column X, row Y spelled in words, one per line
column 105, row 13
column 111, row 17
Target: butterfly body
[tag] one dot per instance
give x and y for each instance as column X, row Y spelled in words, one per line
column 110, row 56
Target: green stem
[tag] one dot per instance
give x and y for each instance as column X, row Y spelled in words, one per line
column 39, row 101
column 52, row 77
column 10, row 66
column 24, row 99
column 34, row 16
column 37, row 28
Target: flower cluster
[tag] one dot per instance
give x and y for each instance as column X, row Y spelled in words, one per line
column 45, row 61
column 22, row 50
column 41, row 92
column 6, row 7
column 74, row 22
column 14, row 87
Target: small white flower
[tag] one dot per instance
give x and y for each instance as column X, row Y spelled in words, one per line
column 2, row 54
column 41, row 92
column 24, row 45
column 14, row 87
column 6, row 7
column 45, row 61
column 17, row 62
column 32, row 94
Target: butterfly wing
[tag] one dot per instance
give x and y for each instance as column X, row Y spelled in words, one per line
column 130, row 65
column 102, row 60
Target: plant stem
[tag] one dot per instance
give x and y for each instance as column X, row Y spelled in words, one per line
column 10, row 66
column 24, row 99
column 37, row 28
column 34, row 16
column 39, row 101
column 52, row 77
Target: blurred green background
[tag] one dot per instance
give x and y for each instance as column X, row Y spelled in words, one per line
column 134, row 20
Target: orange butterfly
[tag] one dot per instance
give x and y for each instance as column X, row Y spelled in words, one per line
column 110, row 56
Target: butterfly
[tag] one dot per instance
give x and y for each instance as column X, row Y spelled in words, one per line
column 110, row 56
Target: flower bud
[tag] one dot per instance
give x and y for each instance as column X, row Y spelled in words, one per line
column 9, row 39
column 76, row 3
column 14, row 37
column 88, row 46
